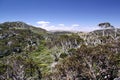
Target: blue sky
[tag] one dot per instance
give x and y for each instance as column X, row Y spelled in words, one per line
column 78, row 15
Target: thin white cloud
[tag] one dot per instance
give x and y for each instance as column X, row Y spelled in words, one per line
column 61, row 24
column 87, row 29
column 43, row 22
column 62, row 27
column 75, row 25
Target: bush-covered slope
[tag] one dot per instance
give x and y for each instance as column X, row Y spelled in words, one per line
column 17, row 37
column 30, row 53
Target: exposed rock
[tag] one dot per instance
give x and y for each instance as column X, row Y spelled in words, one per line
column 17, row 49
column 117, row 79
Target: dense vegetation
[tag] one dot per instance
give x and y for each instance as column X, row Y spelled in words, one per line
column 29, row 53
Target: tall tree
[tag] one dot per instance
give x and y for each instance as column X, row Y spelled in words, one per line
column 104, row 26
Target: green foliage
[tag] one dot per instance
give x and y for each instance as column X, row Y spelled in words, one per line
column 90, row 63
column 19, row 67
column 57, row 55
column 63, row 55
column 12, row 38
column 42, row 57
column 2, row 68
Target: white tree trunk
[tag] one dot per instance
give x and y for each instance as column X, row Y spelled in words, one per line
column 103, row 32
column 115, row 32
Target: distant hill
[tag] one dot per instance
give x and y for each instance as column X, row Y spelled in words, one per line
column 106, row 32
column 17, row 37
column 20, row 25
column 60, row 32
